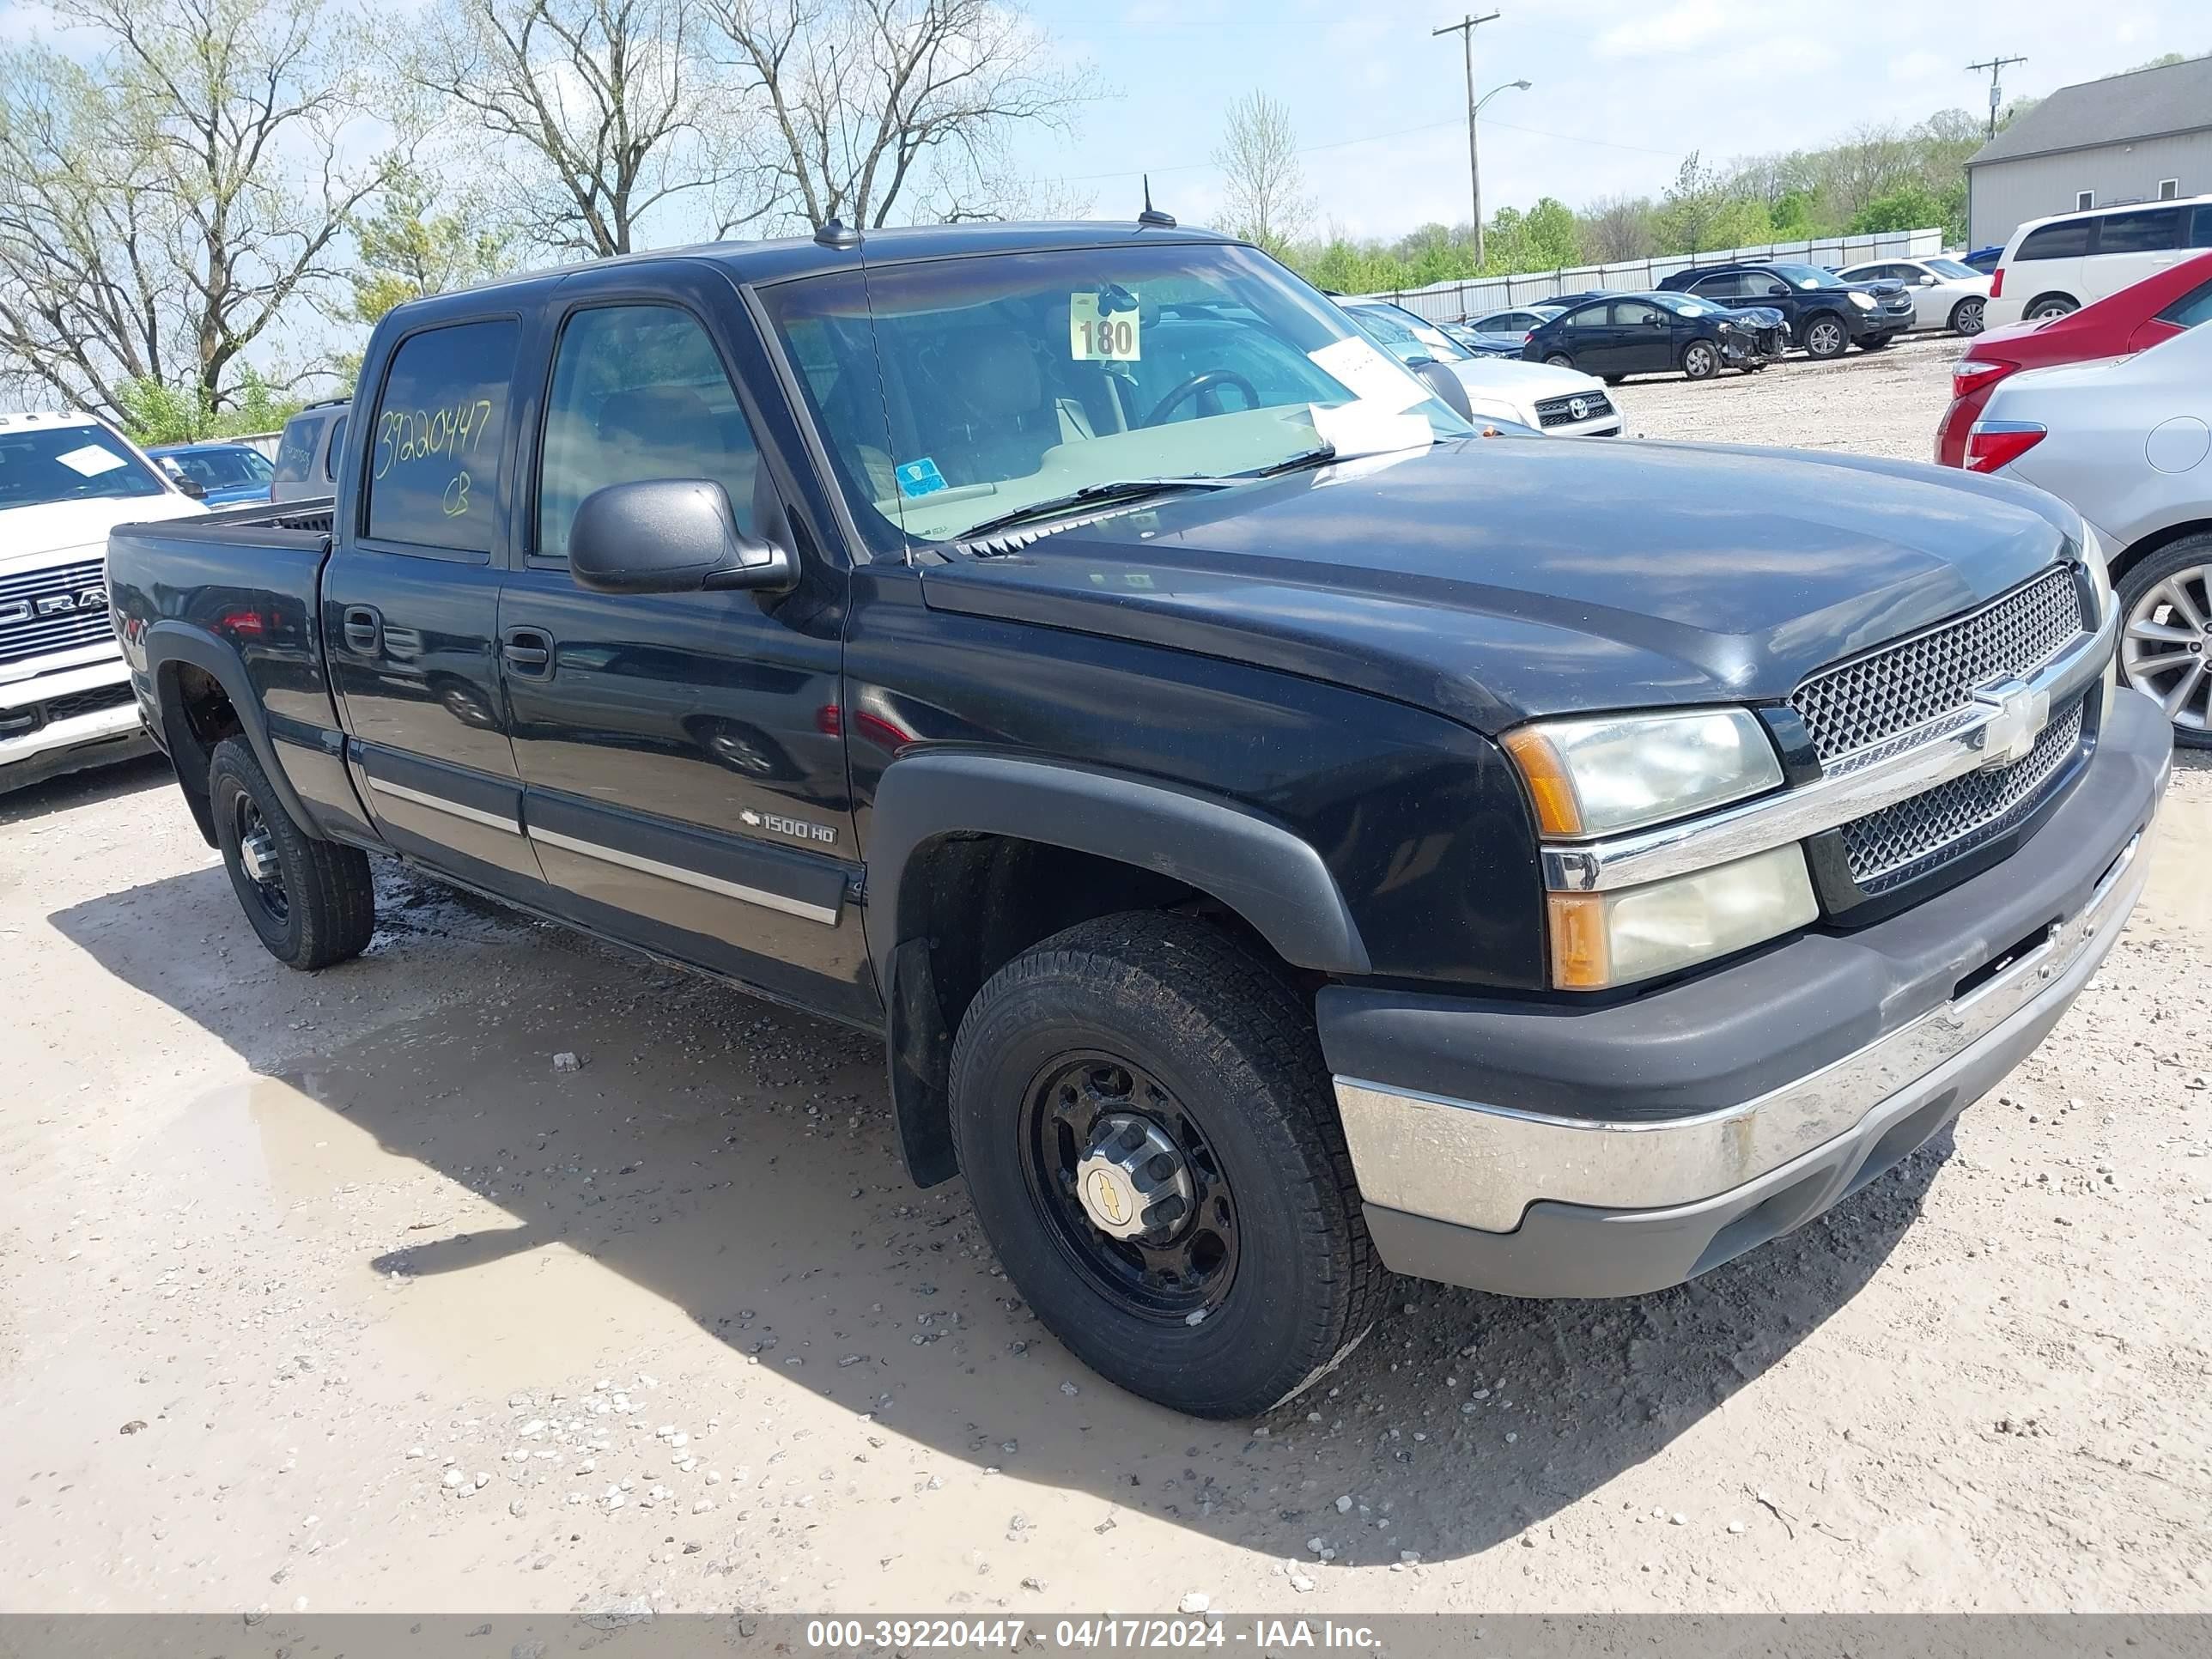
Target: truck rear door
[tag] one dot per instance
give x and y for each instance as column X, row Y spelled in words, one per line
column 410, row 602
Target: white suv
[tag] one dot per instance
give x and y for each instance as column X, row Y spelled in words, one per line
column 65, row 697
column 2054, row 266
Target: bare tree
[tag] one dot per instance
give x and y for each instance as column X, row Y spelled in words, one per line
column 1263, row 197
column 870, row 103
column 165, row 203
column 1617, row 229
column 599, row 106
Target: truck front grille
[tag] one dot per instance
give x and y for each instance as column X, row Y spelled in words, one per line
column 1890, row 847
column 56, row 609
column 1899, row 687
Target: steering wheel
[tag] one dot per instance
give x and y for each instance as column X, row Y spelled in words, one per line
column 1202, row 385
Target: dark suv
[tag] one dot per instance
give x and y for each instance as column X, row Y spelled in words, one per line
column 1824, row 314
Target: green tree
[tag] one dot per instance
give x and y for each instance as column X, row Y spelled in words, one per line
column 1691, row 209
column 153, row 412
column 410, row 248
column 1910, row 207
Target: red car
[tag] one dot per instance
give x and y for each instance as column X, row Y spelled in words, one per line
column 2134, row 319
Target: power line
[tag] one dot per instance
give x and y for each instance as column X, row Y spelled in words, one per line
column 1996, row 66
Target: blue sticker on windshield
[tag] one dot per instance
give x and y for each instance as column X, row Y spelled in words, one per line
column 919, row 477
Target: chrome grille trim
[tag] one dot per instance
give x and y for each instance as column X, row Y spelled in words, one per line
column 22, row 637
column 1888, row 848
column 1898, row 688
column 1558, row 411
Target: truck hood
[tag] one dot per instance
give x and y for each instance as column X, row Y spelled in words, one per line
column 1499, row 580
column 32, row 537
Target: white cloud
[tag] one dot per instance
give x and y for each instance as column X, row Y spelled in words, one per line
column 1915, row 66
column 1678, row 29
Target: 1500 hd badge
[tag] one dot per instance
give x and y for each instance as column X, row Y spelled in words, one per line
column 797, row 828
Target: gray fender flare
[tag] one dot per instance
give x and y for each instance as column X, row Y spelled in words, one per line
column 173, row 641
column 1270, row 877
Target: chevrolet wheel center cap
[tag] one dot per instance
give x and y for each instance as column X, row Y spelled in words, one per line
column 1109, row 1202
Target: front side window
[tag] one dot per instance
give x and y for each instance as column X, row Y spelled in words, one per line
column 440, row 428
column 1635, row 314
column 295, row 449
column 953, row 392
column 69, row 464
column 2067, row 239
column 639, row 392
column 2157, row 231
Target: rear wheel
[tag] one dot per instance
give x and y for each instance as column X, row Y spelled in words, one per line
column 1967, row 316
column 1142, row 1115
column 1825, row 337
column 1560, row 359
column 2050, row 305
column 2168, row 637
column 1699, row 361
column 312, row 902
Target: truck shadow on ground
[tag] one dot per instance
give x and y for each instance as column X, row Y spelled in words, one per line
column 738, row 1161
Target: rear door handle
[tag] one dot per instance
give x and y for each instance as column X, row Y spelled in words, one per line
column 364, row 629
column 528, row 653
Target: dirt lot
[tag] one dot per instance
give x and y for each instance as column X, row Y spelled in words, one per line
column 336, row 1293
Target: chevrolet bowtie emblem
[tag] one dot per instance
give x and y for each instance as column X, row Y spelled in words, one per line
column 2017, row 717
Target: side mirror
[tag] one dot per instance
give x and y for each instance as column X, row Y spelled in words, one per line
column 1447, row 387
column 670, row 536
column 191, row 487
column 1926, row 281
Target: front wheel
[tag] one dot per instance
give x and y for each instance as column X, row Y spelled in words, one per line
column 1875, row 342
column 312, row 902
column 2168, row 637
column 1966, row 317
column 1142, row 1114
column 1825, row 337
column 1699, row 361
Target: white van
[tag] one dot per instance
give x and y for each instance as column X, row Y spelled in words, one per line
column 2054, row 266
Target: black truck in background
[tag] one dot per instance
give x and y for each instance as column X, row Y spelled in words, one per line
column 1281, row 836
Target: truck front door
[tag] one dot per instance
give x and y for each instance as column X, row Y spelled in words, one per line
column 682, row 754
column 410, row 602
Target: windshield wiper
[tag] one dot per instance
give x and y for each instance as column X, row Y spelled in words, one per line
column 1110, row 490
column 1299, row 462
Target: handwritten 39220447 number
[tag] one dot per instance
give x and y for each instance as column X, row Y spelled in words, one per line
column 447, row 434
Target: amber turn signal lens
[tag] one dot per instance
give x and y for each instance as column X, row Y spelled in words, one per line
column 1557, row 813
column 1582, row 959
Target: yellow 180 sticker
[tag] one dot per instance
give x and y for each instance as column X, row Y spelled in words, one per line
column 1095, row 338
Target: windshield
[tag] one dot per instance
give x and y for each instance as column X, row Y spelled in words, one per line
column 68, row 463
column 1807, row 276
column 991, row 384
column 220, row 469
column 1951, row 268
column 1682, row 307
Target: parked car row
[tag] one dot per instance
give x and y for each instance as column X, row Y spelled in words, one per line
column 1554, row 399
column 2109, row 408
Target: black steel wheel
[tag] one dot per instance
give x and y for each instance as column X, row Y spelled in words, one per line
column 311, row 902
column 1143, row 1117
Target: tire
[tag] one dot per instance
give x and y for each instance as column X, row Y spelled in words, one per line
column 1700, row 362
column 1969, row 316
column 318, row 904
column 2049, row 305
column 1615, row 379
column 2163, row 650
column 1278, row 1279
column 1560, row 359
column 1875, row 342
column 1827, row 336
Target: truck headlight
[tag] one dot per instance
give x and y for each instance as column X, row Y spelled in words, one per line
column 1863, row 301
column 1602, row 940
column 1594, row 777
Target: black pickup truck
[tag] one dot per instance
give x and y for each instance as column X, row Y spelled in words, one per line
column 1282, row 835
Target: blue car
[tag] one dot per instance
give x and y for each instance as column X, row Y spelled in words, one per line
column 225, row 473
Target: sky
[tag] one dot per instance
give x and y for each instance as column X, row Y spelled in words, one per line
column 1620, row 91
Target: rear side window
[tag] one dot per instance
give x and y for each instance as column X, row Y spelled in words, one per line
column 337, row 448
column 2155, row 231
column 295, row 448
column 639, row 392
column 440, row 429
column 2191, row 308
column 1636, row 312
column 1588, row 317
column 2203, row 235
column 1726, row 287
column 2067, row 239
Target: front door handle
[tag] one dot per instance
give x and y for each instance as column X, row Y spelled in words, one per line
column 528, row 653
column 364, row 629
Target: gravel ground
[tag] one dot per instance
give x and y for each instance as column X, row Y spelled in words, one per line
column 340, row 1292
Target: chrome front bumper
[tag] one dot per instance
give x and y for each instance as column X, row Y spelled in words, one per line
column 1478, row 1166
column 58, row 747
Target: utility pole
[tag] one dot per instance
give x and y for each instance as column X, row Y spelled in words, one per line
column 1465, row 29
column 1996, row 66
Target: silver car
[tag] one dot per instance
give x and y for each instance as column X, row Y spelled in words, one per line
column 2128, row 442
column 1945, row 293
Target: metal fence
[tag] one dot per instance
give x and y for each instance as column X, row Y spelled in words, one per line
column 1447, row 302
